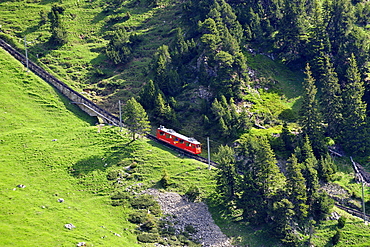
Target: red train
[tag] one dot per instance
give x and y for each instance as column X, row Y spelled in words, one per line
column 186, row 143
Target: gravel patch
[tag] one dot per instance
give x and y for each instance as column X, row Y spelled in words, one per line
column 182, row 213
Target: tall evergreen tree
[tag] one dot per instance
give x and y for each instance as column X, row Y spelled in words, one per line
column 148, row 95
column 311, row 120
column 291, row 37
column 354, row 135
column 296, row 188
column 135, row 118
column 331, row 101
column 226, row 177
column 262, row 178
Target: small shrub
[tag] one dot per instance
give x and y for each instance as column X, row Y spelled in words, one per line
column 143, row 202
column 112, row 175
column 138, row 217
column 342, row 221
column 193, row 193
column 155, row 210
column 148, row 237
column 190, row 229
column 336, row 238
column 150, row 223
column 168, row 231
column 165, row 180
column 119, row 198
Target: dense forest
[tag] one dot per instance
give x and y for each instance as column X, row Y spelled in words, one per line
column 201, row 77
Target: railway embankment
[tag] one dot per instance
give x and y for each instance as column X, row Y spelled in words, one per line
column 76, row 98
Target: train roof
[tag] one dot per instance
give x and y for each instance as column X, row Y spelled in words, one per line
column 174, row 133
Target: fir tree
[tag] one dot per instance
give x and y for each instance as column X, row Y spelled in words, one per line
column 135, row 118
column 311, row 120
column 262, row 177
column 226, row 174
column 354, row 135
column 331, row 101
column 148, row 95
column 296, row 188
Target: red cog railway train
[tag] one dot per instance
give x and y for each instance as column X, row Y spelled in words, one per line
column 188, row 144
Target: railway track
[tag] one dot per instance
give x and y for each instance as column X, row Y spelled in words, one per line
column 353, row 211
column 83, row 102
column 74, row 96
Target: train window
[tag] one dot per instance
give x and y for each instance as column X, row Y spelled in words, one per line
column 168, row 136
column 161, row 133
column 182, row 141
column 187, row 144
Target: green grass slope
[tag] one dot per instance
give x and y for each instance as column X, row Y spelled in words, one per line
column 54, row 149
column 32, row 116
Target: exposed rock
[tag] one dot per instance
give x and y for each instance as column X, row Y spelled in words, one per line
column 60, row 200
column 81, row 244
column 184, row 213
column 69, row 226
column 21, row 186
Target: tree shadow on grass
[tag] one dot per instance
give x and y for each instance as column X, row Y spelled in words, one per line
column 114, row 156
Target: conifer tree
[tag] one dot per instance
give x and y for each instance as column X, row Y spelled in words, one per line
column 262, row 178
column 319, row 44
column 226, row 176
column 331, row 101
column 311, row 120
column 148, row 95
column 296, row 188
column 354, row 137
column 293, row 26
column 283, row 211
column 326, row 168
column 59, row 35
column 135, row 118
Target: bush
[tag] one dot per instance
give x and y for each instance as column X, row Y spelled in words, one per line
column 150, row 223
column 155, row 210
column 119, row 198
column 143, row 202
column 148, row 237
column 190, row 229
column 341, row 221
column 336, row 238
column 193, row 193
column 165, row 180
column 138, row 217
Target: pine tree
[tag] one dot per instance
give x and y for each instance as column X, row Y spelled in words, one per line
column 283, row 212
column 293, row 27
column 319, row 44
column 262, row 179
column 147, row 96
column 226, row 174
column 326, row 168
column 354, row 137
column 331, row 101
column 296, row 188
column 311, row 120
column 135, row 118
column 59, row 35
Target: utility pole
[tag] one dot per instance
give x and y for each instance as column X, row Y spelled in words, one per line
column 120, row 116
column 363, row 202
column 25, row 47
column 209, row 154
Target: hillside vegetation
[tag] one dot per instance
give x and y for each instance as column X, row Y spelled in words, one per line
column 275, row 85
column 56, row 151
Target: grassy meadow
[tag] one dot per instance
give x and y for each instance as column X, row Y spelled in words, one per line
column 55, row 150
